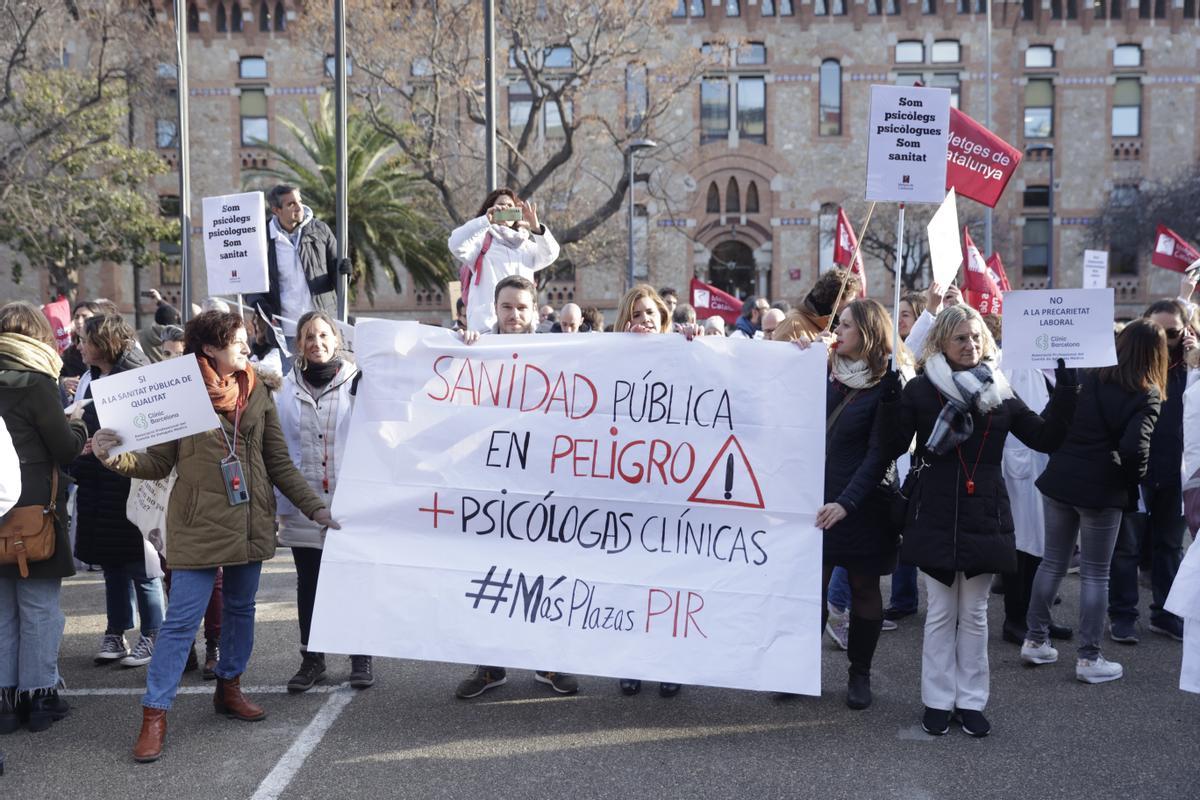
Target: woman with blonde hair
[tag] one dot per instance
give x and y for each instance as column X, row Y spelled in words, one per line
column 642, row 311
column 958, row 526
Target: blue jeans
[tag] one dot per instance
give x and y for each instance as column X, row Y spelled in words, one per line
column 904, row 588
column 1097, row 529
column 839, row 589
column 190, row 591
column 1162, row 528
column 31, row 628
column 122, row 582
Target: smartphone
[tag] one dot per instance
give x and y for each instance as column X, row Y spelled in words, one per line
column 508, row 215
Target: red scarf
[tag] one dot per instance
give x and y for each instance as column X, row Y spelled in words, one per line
column 228, row 395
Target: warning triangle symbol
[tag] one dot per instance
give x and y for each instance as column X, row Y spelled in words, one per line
column 730, row 480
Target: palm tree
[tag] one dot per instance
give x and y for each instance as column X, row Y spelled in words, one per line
column 388, row 230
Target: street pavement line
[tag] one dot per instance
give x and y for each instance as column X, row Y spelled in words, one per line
column 277, row 779
column 125, row 692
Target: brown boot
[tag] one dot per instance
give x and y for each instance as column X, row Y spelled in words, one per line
column 230, row 701
column 150, row 741
column 211, row 655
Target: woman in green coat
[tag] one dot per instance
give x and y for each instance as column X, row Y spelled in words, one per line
column 208, row 527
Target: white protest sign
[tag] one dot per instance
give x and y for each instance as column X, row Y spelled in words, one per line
column 1042, row 326
column 945, row 246
column 617, row 505
column 1095, row 269
column 235, row 243
column 906, row 144
column 158, row 403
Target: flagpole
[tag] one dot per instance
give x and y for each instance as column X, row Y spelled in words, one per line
column 898, row 267
column 849, row 270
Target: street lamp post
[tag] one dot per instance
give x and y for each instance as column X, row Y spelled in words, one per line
column 1048, row 150
column 636, row 144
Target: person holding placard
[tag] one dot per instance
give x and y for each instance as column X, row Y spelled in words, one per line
column 104, row 535
column 1087, row 484
column 314, row 412
column 859, row 535
column 221, row 513
column 31, row 619
column 504, row 238
column 958, row 525
column 836, row 287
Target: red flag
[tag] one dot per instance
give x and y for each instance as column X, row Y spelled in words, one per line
column 979, row 163
column 981, row 288
column 59, row 314
column 844, row 243
column 997, row 266
column 712, row 302
column 1172, row 251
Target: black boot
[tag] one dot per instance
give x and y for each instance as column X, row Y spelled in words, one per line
column 45, row 707
column 311, row 672
column 860, row 648
column 10, row 721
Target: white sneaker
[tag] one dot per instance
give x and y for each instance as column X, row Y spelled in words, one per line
column 1038, row 653
column 838, row 627
column 889, row 625
column 143, row 651
column 112, row 648
column 1097, row 670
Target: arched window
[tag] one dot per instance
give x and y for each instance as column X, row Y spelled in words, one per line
column 222, row 22
column 235, row 17
column 280, row 16
column 831, row 98
column 733, row 198
column 264, row 16
column 712, row 204
column 752, row 198
column 193, row 19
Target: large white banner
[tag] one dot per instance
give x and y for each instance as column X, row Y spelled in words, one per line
column 626, row 505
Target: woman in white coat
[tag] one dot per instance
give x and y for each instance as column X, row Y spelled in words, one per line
column 314, row 413
column 490, row 248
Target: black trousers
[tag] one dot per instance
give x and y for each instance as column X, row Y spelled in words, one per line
column 1018, row 586
column 308, row 569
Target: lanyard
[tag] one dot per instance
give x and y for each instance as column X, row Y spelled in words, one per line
column 971, row 475
column 232, row 445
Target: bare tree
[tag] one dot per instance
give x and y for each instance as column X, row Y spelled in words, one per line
column 1126, row 223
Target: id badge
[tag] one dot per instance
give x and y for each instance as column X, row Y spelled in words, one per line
column 235, row 482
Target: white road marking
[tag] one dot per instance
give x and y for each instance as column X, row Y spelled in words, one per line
column 285, row 770
column 127, row 692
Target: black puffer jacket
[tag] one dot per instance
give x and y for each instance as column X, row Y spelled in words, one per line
column 947, row 529
column 103, row 532
column 854, row 467
column 43, row 439
column 1107, row 448
column 1166, row 446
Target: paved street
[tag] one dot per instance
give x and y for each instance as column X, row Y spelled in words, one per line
column 408, row 737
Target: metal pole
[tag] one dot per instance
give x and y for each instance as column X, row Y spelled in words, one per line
column 987, row 121
column 629, row 268
column 489, row 91
column 899, row 269
column 342, row 224
column 185, row 161
column 1050, row 236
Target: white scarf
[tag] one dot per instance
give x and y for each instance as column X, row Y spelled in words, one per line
column 854, row 374
column 991, row 393
column 510, row 238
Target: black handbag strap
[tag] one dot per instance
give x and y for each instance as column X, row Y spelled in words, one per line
column 832, row 419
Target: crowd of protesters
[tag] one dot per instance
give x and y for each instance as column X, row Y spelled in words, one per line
column 921, row 477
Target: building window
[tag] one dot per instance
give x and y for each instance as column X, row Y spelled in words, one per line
column 520, row 103
column 553, row 119
column 947, row 80
column 981, row 6
column 768, row 8
column 235, row 17
column 252, row 68
column 1144, row 9
column 928, row 6
column 964, row 6
column 166, row 132
column 253, row 104
column 637, row 96
column 785, row 8
column 820, row 8
column 680, row 9
column 714, row 109
column 560, row 57
column 826, row 228
column 1056, row 9
column 752, row 54
column 222, row 22
column 893, row 8
column 1116, row 10
column 733, row 8
column 712, row 204
column 696, row 8
column 945, row 51
column 264, row 17
column 1036, row 197
column 331, row 66
column 1035, row 246
column 1039, row 108
column 1127, row 55
column 874, row 8
column 1127, row 107
column 839, row 8
column 280, row 17
column 733, row 197
column 831, row 98
column 752, row 109
column 911, row 52
column 1039, row 56
column 909, row 78
column 193, row 19
column 752, row 198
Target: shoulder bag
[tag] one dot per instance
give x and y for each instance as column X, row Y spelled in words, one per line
column 27, row 532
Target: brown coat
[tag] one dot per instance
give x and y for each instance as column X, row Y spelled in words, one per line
column 204, row 531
